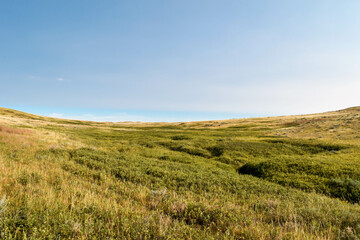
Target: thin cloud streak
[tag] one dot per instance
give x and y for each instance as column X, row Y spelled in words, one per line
column 123, row 117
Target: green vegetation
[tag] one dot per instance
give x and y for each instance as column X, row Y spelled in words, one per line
column 268, row 178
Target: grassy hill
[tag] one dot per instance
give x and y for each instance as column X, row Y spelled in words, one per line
column 293, row 177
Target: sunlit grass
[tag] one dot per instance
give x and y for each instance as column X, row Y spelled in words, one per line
column 270, row 178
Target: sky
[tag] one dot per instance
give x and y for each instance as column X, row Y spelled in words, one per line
column 167, row 60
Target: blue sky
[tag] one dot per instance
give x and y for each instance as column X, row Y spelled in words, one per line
column 178, row 60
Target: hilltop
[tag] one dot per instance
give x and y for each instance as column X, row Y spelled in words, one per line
column 288, row 177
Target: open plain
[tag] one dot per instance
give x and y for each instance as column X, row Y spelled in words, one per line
column 292, row 177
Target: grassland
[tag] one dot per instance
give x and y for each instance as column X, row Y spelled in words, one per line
column 294, row 177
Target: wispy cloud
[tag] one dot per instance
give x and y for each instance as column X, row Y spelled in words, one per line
column 121, row 117
column 56, row 115
column 60, row 79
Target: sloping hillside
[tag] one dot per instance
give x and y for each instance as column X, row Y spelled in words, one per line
column 292, row 177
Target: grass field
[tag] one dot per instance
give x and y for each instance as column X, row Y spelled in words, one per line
column 294, row 177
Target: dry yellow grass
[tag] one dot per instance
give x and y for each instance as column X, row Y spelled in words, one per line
column 50, row 199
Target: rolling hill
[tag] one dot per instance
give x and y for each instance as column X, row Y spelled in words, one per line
column 290, row 177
